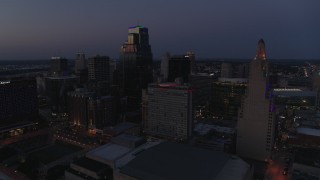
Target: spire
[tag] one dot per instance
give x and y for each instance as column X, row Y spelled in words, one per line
column 261, row 54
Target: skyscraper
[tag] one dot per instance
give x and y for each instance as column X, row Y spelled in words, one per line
column 256, row 117
column 59, row 66
column 78, row 107
column 99, row 74
column 226, row 70
column 179, row 67
column 135, row 68
column 165, row 66
column 80, row 63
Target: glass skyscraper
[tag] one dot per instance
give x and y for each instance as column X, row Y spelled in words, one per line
column 135, row 67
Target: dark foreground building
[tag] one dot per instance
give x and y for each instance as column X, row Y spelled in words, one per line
column 18, row 101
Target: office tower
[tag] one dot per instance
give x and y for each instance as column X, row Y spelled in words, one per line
column 192, row 58
column 99, row 74
column 226, row 98
column 226, row 70
column 135, row 67
column 256, row 117
column 165, row 66
column 19, row 101
column 202, row 85
column 102, row 112
column 113, row 66
column 179, row 67
column 80, row 63
column 57, row 89
column 169, row 110
column 78, row 107
column 59, row 66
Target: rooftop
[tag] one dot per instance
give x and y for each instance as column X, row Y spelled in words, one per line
column 177, row 161
column 108, row 152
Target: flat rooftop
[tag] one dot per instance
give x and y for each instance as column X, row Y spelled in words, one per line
column 108, row 152
column 172, row 161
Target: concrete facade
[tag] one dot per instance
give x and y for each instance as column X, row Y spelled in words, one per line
column 256, row 117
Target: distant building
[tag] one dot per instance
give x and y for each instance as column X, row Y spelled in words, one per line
column 226, row 70
column 113, row 67
column 99, row 74
column 179, row 67
column 202, row 90
column 169, row 111
column 78, row 107
column 135, row 66
column 80, row 63
column 234, row 70
column 165, row 66
column 255, row 136
column 57, row 89
column 19, row 101
column 102, row 112
column 226, row 97
column 192, row 58
column 59, row 66
column 294, row 97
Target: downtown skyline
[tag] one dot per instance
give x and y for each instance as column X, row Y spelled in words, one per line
column 39, row 30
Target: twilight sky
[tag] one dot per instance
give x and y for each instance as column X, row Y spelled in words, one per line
column 38, row 29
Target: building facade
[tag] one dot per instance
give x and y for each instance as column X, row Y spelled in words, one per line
column 256, row 117
column 19, row 101
column 57, row 89
column 169, row 111
column 80, row 63
column 99, row 75
column 102, row 112
column 135, row 67
column 59, row 66
column 179, row 67
column 78, row 107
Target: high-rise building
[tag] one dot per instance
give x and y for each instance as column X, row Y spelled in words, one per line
column 227, row 96
column 102, row 112
column 192, row 58
column 226, row 70
column 57, row 89
column 18, row 101
column 135, row 67
column 59, row 66
column 169, row 111
column 165, row 66
column 179, row 67
column 78, row 107
column 255, row 134
column 99, row 74
column 80, row 63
